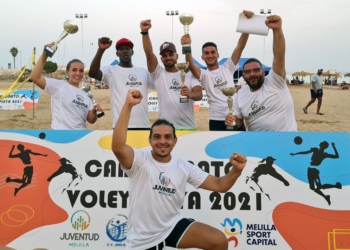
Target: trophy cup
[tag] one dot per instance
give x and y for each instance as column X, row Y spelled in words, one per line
column 182, row 67
column 229, row 92
column 87, row 88
column 69, row 28
column 186, row 19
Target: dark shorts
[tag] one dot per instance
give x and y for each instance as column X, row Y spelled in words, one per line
column 176, row 235
column 220, row 126
column 314, row 95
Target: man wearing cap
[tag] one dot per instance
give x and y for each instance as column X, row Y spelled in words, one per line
column 217, row 77
column 120, row 79
column 167, row 82
column 316, row 91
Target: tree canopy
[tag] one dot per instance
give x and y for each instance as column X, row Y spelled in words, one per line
column 50, row 67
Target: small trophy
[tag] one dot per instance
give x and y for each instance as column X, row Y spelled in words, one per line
column 229, row 92
column 182, row 67
column 186, row 19
column 69, row 28
column 87, row 88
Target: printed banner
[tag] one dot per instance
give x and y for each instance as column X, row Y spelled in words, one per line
column 153, row 101
column 20, row 99
column 65, row 190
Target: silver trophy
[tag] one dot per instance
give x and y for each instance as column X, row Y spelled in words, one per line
column 87, row 89
column 186, row 19
column 229, row 92
column 182, row 67
column 69, row 28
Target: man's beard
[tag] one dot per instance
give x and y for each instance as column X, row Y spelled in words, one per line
column 169, row 66
column 257, row 85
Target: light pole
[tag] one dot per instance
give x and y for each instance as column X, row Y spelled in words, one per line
column 92, row 47
column 82, row 16
column 172, row 13
column 262, row 11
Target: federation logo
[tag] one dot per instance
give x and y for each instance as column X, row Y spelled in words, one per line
column 80, row 98
column 132, row 78
column 164, row 180
column 254, row 105
column 80, row 220
column 230, row 229
column 175, row 82
column 218, row 80
column 117, row 228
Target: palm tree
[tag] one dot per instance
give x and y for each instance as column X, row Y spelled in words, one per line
column 14, row 52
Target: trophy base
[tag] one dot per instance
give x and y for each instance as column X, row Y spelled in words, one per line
column 183, row 99
column 100, row 114
column 231, row 128
column 49, row 51
column 186, row 49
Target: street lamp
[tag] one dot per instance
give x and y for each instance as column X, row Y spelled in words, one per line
column 262, row 11
column 172, row 13
column 82, row 16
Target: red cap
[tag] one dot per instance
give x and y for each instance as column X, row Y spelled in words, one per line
column 124, row 41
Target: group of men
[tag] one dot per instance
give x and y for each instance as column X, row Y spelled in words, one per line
column 157, row 178
column 263, row 104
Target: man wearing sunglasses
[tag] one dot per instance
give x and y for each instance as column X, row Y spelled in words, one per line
column 266, row 103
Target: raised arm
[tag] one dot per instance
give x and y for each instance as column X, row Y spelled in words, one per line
column 196, row 71
column 274, row 22
column 123, row 152
column 223, row 184
column 103, row 44
column 35, row 76
column 11, row 155
column 152, row 60
column 336, row 155
column 237, row 52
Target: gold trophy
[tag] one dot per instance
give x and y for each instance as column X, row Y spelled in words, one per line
column 69, row 28
column 229, row 92
column 182, row 67
column 186, row 19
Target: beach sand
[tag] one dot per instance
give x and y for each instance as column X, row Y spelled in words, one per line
column 335, row 102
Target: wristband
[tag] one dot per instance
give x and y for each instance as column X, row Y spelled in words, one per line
column 144, row 32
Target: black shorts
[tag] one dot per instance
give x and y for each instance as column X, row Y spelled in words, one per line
column 316, row 95
column 176, row 235
column 221, row 126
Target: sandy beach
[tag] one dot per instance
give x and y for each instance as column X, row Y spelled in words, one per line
column 336, row 119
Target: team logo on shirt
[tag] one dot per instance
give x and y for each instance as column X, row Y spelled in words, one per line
column 80, row 98
column 79, row 102
column 176, row 85
column 133, row 81
column 255, row 108
column 163, row 188
column 219, row 82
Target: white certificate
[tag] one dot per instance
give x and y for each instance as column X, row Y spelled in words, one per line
column 254, row 25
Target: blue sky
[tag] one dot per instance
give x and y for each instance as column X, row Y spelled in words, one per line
column 316, row 31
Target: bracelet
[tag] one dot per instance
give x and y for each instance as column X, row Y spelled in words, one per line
column 144, row 32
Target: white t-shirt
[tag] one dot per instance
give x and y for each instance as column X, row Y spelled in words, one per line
column 168, row 87
column 156, row 195
column 70, row 105
column 120, row 80
column 269, row 108
column 241, row 81
column 318, row 80
column 213, row 81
